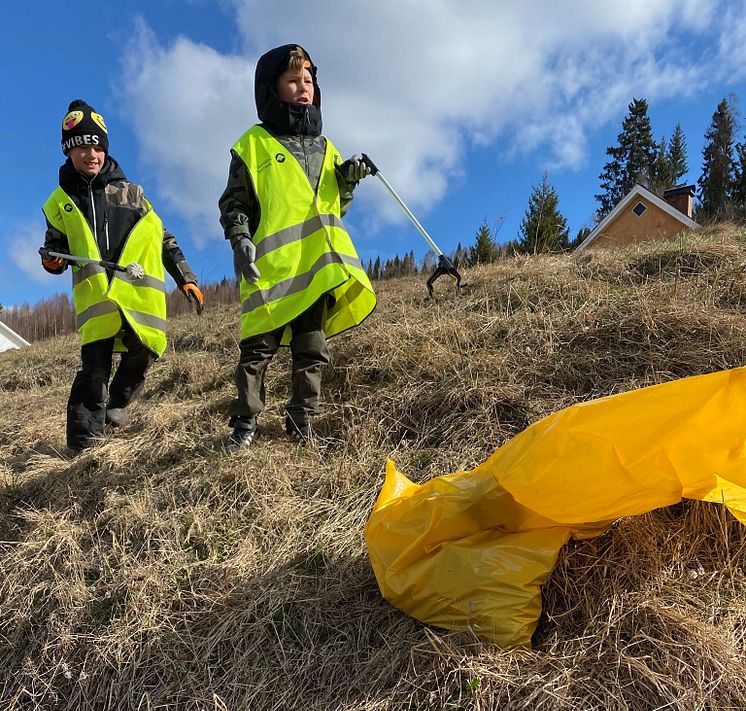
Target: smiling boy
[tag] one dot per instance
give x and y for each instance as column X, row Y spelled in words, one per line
column 301, row 278
column 97, row 214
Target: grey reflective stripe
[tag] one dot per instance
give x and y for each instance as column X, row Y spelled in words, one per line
column 296, row 232
column 351, row 262
column 148, row 319
column 152, row 282
column 297, row 283
column 87, row 271
column 100, row 309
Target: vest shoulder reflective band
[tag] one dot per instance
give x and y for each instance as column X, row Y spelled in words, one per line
column 303, row 249
column 100, row 303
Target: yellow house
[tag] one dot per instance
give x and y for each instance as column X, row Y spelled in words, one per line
column 641, row 216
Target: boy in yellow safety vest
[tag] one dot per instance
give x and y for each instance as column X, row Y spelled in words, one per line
column 97, row 214
column 301, row 278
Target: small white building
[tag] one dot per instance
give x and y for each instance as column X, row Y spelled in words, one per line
column 10, row 339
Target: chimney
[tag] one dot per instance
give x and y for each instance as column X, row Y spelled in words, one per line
column 680, row 197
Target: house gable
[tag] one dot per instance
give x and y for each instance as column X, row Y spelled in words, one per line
column 638, row 217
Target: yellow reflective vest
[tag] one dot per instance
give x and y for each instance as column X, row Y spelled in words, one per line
column 100, row 303
column 302, row 248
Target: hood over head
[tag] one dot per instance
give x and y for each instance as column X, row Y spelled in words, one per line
column 284, row 117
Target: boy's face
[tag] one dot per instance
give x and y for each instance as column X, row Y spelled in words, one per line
column 87, row 159
column 295, row 87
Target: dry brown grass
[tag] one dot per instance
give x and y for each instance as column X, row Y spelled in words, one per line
column 160, row 572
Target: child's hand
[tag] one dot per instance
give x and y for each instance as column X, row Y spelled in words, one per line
column 54, row 265
column 354, row 169
column 244, row 254
column 193, row 293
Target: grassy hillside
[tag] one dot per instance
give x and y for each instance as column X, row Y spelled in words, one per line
column 160, row 572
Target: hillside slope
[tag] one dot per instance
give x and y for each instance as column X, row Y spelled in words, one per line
column 160, row 572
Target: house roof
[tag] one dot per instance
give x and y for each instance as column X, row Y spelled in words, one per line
column 10, row 339
column 637, row 192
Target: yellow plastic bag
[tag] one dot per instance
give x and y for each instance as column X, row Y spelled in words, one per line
column 470, row 550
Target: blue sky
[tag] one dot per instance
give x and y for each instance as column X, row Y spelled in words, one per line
column 462, row 103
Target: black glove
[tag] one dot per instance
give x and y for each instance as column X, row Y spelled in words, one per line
column 354, row 169
column 244, row 254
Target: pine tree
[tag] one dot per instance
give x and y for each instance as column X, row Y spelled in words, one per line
column 484, row 250
column 661, row 170
column 676, row 156
column 717, row 180
column 543, row 228
column 460, row 257
column 670, row 163
column 738, row 194
column 456, row 257
column 632, row 161
column 377, row 269
column 462, row 253
column 510, row 248
column 409, row 265
column 583, row 232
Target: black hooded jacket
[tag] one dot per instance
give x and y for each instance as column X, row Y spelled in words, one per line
column 113, row 206
column 296, row 126
column 282, row 118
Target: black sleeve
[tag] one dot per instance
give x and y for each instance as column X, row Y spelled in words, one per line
column 239, row 205
column 56, row 241
column 175, row 262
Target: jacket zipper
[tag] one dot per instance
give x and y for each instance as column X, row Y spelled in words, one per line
column 106, row 232
column 303, row 143
column 93, row 211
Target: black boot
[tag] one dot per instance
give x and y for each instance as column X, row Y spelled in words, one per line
column 116, row 416
column 298, row 429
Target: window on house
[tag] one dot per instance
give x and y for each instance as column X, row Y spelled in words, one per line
column 639, row 209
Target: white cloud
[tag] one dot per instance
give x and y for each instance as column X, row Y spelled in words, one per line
column 732, row 50
column 416, row 88
column 188, row 105
column 22, row 249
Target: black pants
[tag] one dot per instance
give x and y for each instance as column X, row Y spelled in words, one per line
column 309, row 353
column 91, row 393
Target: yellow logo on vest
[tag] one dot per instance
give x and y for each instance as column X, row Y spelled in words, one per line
column 68, row 207
column 99, row 119
column 280, row 157
column 72, row 120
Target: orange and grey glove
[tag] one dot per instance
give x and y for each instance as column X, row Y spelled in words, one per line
column 192, row 292
column 54, row 265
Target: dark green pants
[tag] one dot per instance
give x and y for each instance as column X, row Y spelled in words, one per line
column 309, row 353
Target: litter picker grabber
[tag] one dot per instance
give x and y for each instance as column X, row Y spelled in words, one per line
column 134, row 270
column 445, row 266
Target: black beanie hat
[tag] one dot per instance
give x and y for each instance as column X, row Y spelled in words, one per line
column 82, row 126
